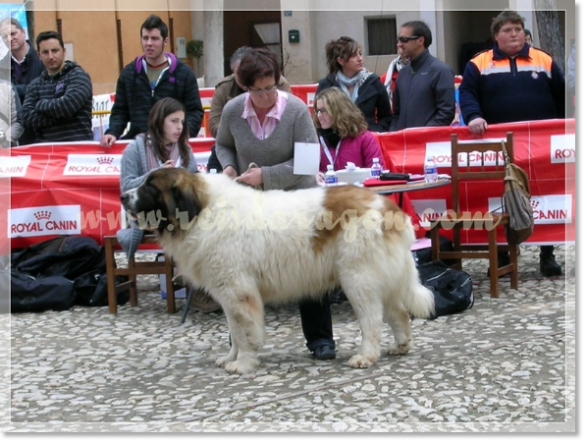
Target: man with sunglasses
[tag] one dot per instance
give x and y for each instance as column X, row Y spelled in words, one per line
column 424, row 94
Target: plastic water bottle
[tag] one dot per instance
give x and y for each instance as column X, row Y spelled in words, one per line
column 376, row 168
column 430, row 170
column 331, row 178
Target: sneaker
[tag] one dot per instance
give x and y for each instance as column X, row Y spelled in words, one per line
column 324, row 352
column 203, row 302
column 548, row 266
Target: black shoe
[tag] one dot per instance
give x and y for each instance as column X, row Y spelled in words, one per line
column 548, row 266
column 503, row 260
column 324, row 352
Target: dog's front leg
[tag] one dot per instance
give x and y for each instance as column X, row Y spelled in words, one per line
column 245, row 313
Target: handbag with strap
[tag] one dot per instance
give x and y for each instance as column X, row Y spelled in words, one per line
column 516, row 202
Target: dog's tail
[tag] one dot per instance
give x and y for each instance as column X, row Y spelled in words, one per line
column 420, row 303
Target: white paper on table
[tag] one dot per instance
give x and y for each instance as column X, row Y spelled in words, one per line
column 306, row 158
column 421, row 243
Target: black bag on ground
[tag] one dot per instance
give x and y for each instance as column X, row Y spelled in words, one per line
column 43, row 266
column 65, row 256
column 29, row 294
column 423, row 255
column 91, row 289
column 452, row 289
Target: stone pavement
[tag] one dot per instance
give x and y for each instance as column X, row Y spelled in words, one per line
column 506, row 365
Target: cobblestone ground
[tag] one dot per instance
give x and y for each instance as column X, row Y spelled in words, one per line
column 505, row 365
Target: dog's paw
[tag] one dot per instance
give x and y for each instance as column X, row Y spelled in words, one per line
column 223, row 361
column 241, row 366
column 400, row 349
column 179, row 280
column 360, row 361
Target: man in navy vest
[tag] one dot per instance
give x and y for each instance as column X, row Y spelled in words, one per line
column 513, row 82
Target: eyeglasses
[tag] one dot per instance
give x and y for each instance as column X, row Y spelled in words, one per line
column 323, row 111
column 404, row 39
column 259, row 92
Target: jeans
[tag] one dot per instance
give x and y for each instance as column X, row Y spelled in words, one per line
column 316, row 322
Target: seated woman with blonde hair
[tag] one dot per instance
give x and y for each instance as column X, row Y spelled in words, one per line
column 342, row 132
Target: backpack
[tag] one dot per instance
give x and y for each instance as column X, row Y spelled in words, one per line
column 452, row 289
column 516, row 203
column 58, row 273
column 30, row 294
column 423, row 255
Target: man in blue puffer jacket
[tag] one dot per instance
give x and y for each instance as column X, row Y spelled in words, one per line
column 150, row 77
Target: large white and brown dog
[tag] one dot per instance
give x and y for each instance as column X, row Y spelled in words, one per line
column 247, row 248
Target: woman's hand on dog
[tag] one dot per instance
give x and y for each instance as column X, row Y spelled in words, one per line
column 252, row 177
column 230, row 172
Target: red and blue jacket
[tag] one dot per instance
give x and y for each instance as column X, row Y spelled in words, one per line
column 503, row 89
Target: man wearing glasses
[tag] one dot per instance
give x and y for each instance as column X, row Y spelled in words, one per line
column 425, row 92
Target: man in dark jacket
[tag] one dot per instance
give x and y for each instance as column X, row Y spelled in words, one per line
column 21, row 64
column 513, row 82
column 425, row 92
column 150, row 77
column 58, row 104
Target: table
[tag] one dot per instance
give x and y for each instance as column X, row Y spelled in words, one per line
column 415, row 186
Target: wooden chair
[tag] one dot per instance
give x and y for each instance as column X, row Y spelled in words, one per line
column 460, row 220
column 135, row 268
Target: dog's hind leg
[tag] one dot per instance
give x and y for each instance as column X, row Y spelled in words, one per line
column 245, row 314
column 367, row 304
column 400, row 322
column 231, row 356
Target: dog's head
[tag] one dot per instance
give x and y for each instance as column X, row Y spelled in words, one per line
column 167, row 200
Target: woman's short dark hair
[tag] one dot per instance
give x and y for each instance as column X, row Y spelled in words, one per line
column 258, row 63
column 344, row 48
column 48, row 35
column 159, row 112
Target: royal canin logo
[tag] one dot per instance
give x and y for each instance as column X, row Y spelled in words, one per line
column 534, row 204
column 92, row 164
column 42, row 215
column 105, row 160
column 547, row 209
column 563, row 148
column 46, row 220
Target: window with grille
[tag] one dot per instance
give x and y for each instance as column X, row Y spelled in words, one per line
column 382, row 36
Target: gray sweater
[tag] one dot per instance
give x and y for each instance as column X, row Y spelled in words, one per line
column 237, row 146
column 133, row 167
